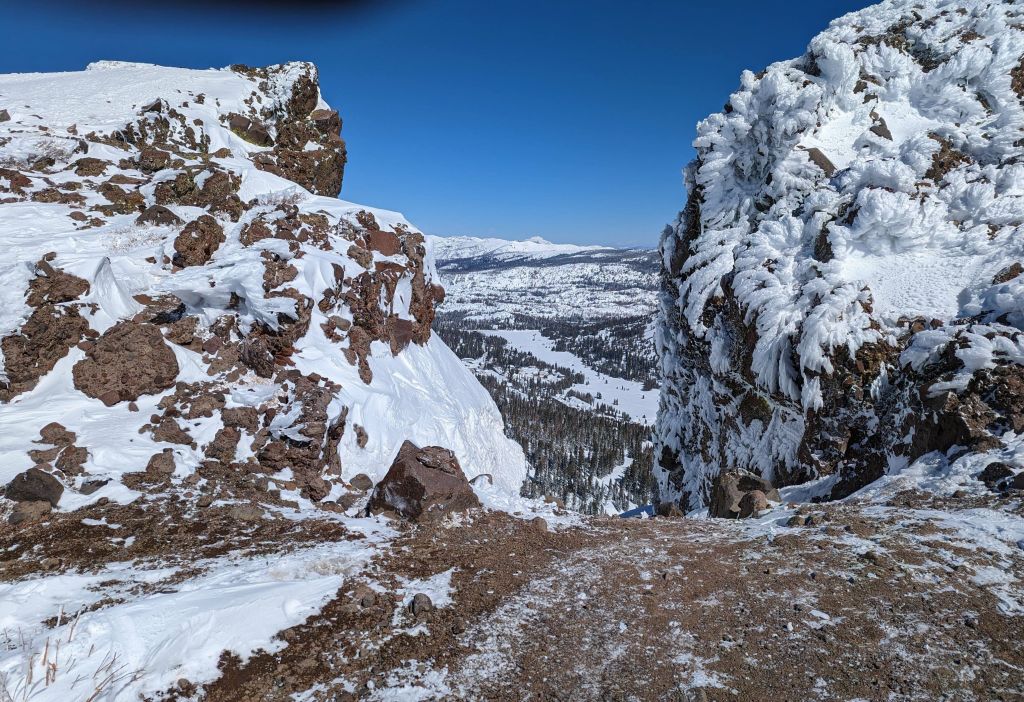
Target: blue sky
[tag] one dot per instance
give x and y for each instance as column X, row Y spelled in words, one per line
column 568, row 120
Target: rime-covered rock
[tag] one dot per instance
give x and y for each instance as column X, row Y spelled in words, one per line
column 842, row 292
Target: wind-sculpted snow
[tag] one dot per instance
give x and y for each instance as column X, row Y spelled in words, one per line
column 842, row 290
column 184, row 293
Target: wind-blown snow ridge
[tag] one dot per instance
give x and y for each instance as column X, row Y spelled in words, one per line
column 863, row 199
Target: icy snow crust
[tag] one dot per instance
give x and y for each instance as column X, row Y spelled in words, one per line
column 423, row 393
column 823, row 257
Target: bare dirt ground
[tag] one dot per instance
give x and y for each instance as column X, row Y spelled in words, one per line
column 916, row 600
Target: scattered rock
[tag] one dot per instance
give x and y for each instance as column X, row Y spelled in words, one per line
column 423, row 483
column 245, row 512
column 539, row 524
column 34, row 485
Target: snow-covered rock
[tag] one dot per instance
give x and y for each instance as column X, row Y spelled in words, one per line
column 179, row 274
column 842, row 291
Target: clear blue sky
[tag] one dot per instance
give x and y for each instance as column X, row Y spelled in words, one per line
column 568, row 120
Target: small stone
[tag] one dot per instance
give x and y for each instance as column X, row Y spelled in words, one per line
column 361, row 482
column 420, row 604
column 539, row 524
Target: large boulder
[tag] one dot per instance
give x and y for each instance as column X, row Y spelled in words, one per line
column 423, row 484
column 35, row 485
column 127, row 361
column 729, row 490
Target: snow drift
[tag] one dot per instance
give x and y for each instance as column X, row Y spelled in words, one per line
column 185, row 297
column 842, row 293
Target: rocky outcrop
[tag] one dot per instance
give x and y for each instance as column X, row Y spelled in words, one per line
column 423, row 484
column 229, row 318
column 832, row 305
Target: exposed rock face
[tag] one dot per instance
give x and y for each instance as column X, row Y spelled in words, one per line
column 423, row 484
column 127, row 361
column 832, row 305
column 204, row 290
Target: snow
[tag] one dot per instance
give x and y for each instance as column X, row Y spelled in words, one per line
column 625, row 396
column 162, row 633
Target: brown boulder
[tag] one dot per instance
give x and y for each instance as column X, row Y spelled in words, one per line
column 52, row 285
column 995, row 473
column 197, row 242
column 668, row 509
column 57, row 434
column 128, row 360
column 151, row 160
column 250, row 130
column 161, row 465
column 158, row 214
column 753, row 503
column 34, row 485
column 819, row 159
column 423, row 484
column 729, row 489
column 361, row 482
column 29, row 512
column 224, row 444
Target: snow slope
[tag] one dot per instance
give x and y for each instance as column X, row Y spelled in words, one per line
column 296, row 291
column 851, row 238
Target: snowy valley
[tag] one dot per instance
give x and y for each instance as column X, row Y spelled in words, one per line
column 562, row 337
